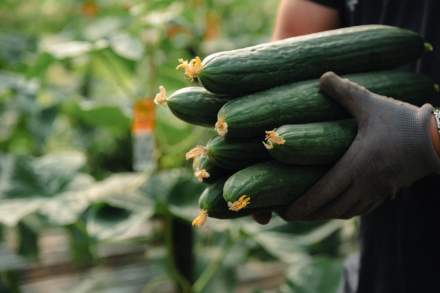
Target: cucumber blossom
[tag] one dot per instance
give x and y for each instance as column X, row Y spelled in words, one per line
column 206, row 171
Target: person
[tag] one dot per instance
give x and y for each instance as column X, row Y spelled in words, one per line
column 390, row 172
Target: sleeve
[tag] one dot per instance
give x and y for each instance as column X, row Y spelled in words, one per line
column 336, row 4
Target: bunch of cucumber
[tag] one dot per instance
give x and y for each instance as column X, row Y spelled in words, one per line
column 277, row 132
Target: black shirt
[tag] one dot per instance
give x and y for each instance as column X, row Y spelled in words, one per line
column 400, row 240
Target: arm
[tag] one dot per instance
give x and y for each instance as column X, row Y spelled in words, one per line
column 435, row 136
column 300, row 17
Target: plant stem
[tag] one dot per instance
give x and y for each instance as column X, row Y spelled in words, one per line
column 183, row 284
column 9, row 282
column 27, row 241
column 116, row 74
column 213, row 267
column 81, row 246
column 2, row 232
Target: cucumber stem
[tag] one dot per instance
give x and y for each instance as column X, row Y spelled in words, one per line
column 200, row 219
column 429, row 47
column 195, row 152
column 191, row 68
column 161, row 96
column 201, row 174
column 239, row 204
column 221, row 126
column 272, row 138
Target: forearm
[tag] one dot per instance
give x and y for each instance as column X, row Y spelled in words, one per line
column 435, row 135
column 300, row 17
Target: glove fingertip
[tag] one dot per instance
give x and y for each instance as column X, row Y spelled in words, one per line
column 348, row 94
column 333, row 85
column 327, row 78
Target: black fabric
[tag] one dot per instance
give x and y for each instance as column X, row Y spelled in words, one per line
column 338, row 4
column 421, row 16
column 400, row 243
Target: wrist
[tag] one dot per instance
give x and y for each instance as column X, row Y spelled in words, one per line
column 435, row 136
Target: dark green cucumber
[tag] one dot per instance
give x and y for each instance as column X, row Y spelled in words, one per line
column 234, row 155
column 347, row 50
column 206, row 171
column 312, row 143
column 195, row 105
column 211, row 201
column 251, row 115
column 269, row 184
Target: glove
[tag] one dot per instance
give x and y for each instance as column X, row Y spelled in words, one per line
column 392, row 149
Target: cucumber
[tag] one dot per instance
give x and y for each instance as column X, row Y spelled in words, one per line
column 212, row 204
column 269, row 184
column 346, row 50
column 206, row 171
column 312, row 143
column 223, row 154
column 193, row 105
column 231, row 155
column 251, row 115
column 234, row 155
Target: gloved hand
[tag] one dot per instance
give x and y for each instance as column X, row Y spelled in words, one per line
column 392, row 149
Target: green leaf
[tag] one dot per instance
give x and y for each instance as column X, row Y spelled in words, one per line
column 13, row 210
column 288, row 247
column 62, row 49
column 103, row 116
column 318, row 274
column 103, row 27
column 27, row 184
column 52, row 186
column 40, row 66
column 9, row 80
column 127, row 46
column 25, row 177
column 176, row 190
column 14, row 45
column 119, row 189
column 114, row 223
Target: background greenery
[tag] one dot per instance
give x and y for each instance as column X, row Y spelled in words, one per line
column 70, row 72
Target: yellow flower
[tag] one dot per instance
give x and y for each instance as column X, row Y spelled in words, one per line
column 201, row 174
column 195, row 152
column 239, row 204
column 221, row 126
column 200, row 219
column 191, row 68
column 272, row 138
column 161, row 96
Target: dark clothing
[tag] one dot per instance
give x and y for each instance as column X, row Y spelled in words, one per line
column 421, row 16
column 400, row 245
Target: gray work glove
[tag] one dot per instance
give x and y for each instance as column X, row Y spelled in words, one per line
column 392, row 149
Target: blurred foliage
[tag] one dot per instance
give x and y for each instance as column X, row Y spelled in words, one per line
column 70, row 72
